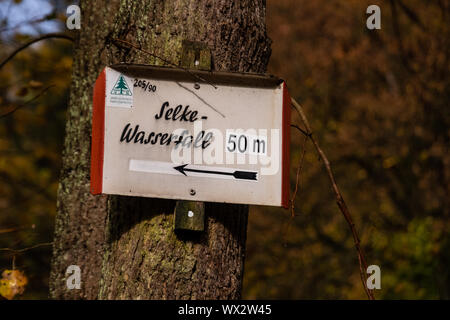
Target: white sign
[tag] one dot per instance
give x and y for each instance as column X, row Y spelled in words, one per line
column 191, row 135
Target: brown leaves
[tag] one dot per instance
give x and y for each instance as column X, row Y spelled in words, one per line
column 13, row 282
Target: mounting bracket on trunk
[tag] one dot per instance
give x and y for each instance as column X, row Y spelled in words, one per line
column 190, row 215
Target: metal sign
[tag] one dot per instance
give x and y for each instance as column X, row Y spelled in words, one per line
column 190, row 135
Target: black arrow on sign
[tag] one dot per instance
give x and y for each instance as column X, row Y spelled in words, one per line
column 243, row 175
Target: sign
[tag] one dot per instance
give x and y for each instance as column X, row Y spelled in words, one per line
column 191, row 135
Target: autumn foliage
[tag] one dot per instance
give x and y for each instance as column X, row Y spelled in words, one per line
column 378, row 102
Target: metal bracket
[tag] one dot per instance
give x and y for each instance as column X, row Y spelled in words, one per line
column 190, row 215
column 195, row 55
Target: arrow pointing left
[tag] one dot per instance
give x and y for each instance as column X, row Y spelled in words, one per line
column 161, row 167
column 236, row 174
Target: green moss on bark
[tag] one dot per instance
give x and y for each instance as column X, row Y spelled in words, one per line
column 125, row 246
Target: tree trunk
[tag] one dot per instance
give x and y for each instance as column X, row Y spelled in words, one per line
column 125, row 246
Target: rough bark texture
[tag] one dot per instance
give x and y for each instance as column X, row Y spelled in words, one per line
column 126, row 247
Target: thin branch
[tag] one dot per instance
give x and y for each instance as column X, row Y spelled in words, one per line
column 294, row 196
column 26, row 102
column 339, row 199
column 299, row 170
column 412, row 15
column 44, row 244
column 398, row 35
column 163, row 60
column 301, row 130
column 29, row 43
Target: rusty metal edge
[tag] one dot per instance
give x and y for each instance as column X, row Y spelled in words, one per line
column 256, row 80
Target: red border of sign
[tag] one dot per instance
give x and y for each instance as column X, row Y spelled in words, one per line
column 98, row 134
column 286, row 140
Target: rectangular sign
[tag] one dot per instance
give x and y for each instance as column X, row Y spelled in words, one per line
column 191, row 135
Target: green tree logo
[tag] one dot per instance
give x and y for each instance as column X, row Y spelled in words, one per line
column 121, row 87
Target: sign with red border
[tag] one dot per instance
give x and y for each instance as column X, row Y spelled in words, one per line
column 191, row 135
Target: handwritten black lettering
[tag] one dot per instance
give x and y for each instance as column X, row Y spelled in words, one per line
column 173, row 114
column 134, row 135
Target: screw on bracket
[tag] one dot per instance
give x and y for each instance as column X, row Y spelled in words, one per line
column 195, row 55
column 189, row 215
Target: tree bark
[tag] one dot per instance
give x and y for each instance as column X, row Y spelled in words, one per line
column 125, row 246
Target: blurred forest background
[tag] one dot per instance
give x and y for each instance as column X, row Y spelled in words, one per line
column 378, row 102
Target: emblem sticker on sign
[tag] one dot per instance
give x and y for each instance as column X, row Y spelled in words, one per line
column 118, row 91
column 191, row 135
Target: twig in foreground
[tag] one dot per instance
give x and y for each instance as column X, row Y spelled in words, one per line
column 26, row 102
column 299, row 170
column 29, row 43
column 339, row 199
column 296, row 189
